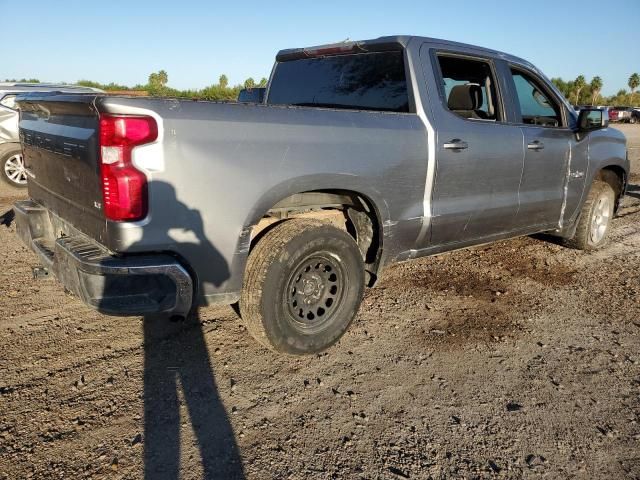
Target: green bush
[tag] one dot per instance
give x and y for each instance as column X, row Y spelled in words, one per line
column 157, row 86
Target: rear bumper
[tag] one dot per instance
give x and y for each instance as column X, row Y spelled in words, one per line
column 115, row 285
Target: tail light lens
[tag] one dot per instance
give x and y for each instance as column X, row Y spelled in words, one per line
column 124, row 188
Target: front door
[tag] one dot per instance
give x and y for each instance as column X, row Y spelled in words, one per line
column 548, row 142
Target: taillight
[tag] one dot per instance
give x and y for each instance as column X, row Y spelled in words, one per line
column 124, row 188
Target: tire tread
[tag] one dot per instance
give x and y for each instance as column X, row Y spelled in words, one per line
column 580, row 240
column 263, row 254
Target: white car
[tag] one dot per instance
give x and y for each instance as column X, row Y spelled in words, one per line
column 11, row 163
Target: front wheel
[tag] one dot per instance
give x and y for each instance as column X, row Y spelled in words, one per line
column 633, row 120
column 13, row 171
column 595, row 218
column 303, row 286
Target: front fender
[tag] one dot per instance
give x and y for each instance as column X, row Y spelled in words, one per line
column 608, row 149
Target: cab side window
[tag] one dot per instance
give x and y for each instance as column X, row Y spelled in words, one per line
column 537, row 107
column 469, row 88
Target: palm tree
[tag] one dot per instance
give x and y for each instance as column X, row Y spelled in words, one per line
column 163, row 78
column 596, row 87
column 158, row 80
column 634, row 82
column 579, row 84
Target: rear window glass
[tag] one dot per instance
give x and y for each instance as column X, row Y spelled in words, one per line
column 365, row 81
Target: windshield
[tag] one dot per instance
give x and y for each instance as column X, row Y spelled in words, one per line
column 365, row 81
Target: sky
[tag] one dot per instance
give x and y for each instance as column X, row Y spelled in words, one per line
column 197, row 41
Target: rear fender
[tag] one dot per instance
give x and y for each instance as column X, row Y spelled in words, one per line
column 294, row 186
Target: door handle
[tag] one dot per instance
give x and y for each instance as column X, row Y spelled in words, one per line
column 455, row 144
column 536, row 145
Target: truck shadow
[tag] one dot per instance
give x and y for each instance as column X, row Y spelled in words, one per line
column 177, row 366
column 633, row 191
column 7, row 218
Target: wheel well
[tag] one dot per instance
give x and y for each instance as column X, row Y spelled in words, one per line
column 347, row 210
column 616, row 178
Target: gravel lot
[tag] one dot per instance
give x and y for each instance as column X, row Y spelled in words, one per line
column 519, row 359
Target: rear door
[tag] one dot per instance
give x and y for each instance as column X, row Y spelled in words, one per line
column 547, row 142
column 479, row 157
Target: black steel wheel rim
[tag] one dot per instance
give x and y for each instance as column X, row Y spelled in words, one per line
column 315, row 292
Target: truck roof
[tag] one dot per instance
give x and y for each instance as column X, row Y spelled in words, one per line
column 392, row 42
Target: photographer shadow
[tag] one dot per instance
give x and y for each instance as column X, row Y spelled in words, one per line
column 176, row 357
column 176, row 360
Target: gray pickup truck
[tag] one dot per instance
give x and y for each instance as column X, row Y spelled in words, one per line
column 361, row 155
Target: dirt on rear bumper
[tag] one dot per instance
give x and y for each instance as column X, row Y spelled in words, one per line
column 112, row 284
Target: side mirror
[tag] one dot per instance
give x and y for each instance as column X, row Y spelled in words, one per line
column 590, row 119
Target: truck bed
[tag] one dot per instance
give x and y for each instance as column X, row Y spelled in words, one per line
column 217, row 169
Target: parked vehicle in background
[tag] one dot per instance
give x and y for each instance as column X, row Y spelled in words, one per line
column 620, row 114
column 613, row 114
column 252, row 95
column 10, row 150
column 293, row 206
column 635, row 116
column 11, row 161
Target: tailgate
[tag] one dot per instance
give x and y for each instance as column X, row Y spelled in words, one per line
column 59, row 135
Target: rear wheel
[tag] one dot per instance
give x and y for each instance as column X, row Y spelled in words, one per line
column 13, row 171
column 595, row 218
column 303, row 286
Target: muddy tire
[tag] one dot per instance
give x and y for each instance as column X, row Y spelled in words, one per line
column 302, row 287
column 595, row 217
column 12, row 167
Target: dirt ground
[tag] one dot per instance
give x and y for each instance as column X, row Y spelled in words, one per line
column 515, row 360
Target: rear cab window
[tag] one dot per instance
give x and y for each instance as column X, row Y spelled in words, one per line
column 373, row 81
column 468, row 87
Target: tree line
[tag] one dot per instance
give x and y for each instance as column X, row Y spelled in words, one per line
column 22, row 80
column 157, row 85
column 579, row 92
